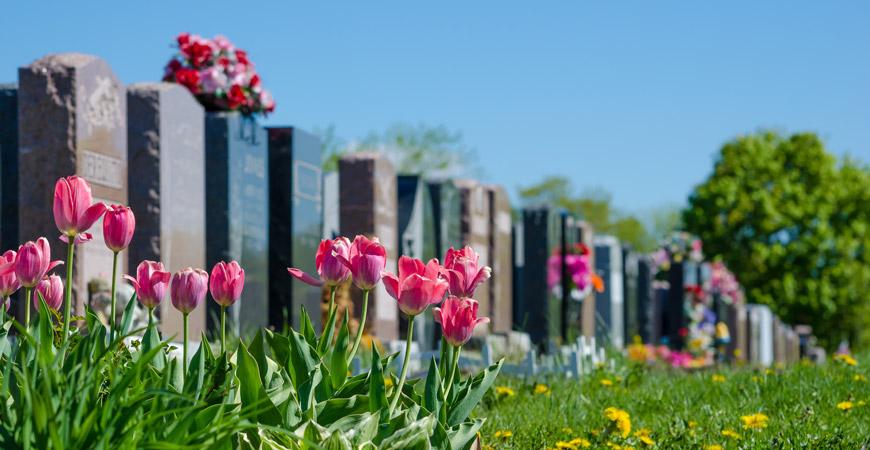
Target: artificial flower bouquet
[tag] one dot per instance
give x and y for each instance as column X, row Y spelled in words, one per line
column 218, row 74
column 582, row 278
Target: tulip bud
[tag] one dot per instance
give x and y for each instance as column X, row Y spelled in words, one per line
column 33, row 261
column 463, row 271
column 150, row 283
column 118, row 226
column 51, row 289
column 8, row 280
column 417, row 286
column 328, row 261
column 368, row 258
column 73, row 212
column 226, row 282
column 188, row 289
column 458, row 317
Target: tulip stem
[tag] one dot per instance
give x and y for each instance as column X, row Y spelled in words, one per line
column 361, row 328
column 3, row 309
column 184, row 353
column 405, row 362
column 453, row 365
column 27, row 306
column 67, row 295
column 223, row 329
column 328, row 330
column 114, row 286
column 150, row 317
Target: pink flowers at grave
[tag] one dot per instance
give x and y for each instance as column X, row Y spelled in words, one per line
column 329, row 264
column 579, row 270
column 463, row 271
column 458, row 317
column 417, row 286
column 368, row 258
column 220, row 75
column 188, row 288
column 73, row 212
column 51, row 289
column 150, row 283
column 226, row 282
column 33, row 261
column 119, row 224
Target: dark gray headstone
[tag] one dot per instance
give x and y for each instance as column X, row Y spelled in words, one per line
column 538, row 309
column 416, row 239
column 630, row 306
column 368, row 207
column 237, row 211
column 166, row 148
column 295, row 223
column 608, row 303
column 447, row 214
column 8, row 166
column 500, row 249
column 71, row 121
column 644, row 293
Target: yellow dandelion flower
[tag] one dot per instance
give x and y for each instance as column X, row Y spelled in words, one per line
column 595, row 433
column 713, row 447
column 860, row 377
column 692, row 424
column 580, row 443
column 769, row 372
column 606, row 383
column 620, row 419
column 729, row 433
column 846, row 359
column 716, row 378
column 756, row 378
column 844, row 406
column 542, row 389
column 643, row 435
column 504, row 391
column 562, row 445
column 504, row 434
column 754, row 421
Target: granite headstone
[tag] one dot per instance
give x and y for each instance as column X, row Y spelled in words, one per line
column 8, row 166
column 500, row 249
column 537, row 307
column 474, row 232
column 608, row 265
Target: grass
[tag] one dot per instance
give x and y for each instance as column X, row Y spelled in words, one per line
column 685, row 410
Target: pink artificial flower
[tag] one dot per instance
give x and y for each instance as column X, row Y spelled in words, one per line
column 150, row 283
column 214, row 79
column 222, row 43
column 328, row 262
column 680, row 359
column 417, row 286
column 226, row 282
column 51, row 289
column 458, row 317
column 188, row 288
column 73, row 212
column 8, row 280
column 368, row 258
column 119, row 223
column 463, row 272
column 32, row 262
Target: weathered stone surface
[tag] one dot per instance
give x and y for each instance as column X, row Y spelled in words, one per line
column 166, row 148
column 500, row 249
column 295, row 222
column 72, row 121
column 368, row 206
column 237, row 212
column 8, row 166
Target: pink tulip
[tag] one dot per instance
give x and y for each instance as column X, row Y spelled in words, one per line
column 368, row 258
column 73, row 212
column 328, row 261
column 226, row 282
column 150, row 283
column 51, row 289
column 32, row 262
column 463, row 271
column 458, row 317
column 118, row 226
column 8, row 281
column 417, row 285
column 188, row 289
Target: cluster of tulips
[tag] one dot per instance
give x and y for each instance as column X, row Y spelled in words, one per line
column 416, row 286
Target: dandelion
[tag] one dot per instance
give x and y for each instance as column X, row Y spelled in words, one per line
column 754, row 421
column 769, row 372
column 713, row 447
column 504, row 391
column 643, row 435
column 564, row 445
column 846, row 359
column 606, row 382
column 620, row 419
column 580, row 443
column 504, row 434
column 567, row 430
column 542, row 389
column 844, row 406
column 717, row 378
column 692, row 424
column 729, row 433
column 756, row 378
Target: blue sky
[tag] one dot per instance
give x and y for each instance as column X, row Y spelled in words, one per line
column 632, row 97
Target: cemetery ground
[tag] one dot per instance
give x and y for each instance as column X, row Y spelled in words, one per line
column 800, row 406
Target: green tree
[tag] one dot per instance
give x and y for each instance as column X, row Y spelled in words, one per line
column 792, row 224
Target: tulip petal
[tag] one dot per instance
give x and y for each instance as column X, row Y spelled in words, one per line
column 304, row 277
column 91, row 215
column 64, row 238
column 408, row 266
column 391, row 284
column 343, row 260
column 132, row 281
column 81, row 238
column 8, row 267
column 53, row 264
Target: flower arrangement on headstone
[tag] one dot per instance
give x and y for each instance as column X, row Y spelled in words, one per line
column 219, row 74
column 581, row 278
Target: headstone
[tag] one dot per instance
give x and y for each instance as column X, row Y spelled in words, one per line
column 331, row 206
column 165, row 145
column 416, row 233
column 447, row 214
column 586, row 236
column 537, row 309
column 295, row 222
column 237, row 213
column 681, row 275
column 368, row 207
column 8, row 166
column 736, row 320
column 630, row 307
column 645, row 294
column 474, row 231
column 761, row 322
column 500, row 251
column 779, row 341
column 608, row 265
column 71, row 121
column 571, row 299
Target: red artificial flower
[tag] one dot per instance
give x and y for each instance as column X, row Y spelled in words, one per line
column 223, row 61
column 188, row 78
column 242, row 56
column 198, row 53
column 255, row 81
column 183, row 39
column 236, row 96
column 171, row 68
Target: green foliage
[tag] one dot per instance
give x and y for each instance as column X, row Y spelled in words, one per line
column 792, row 224
column 419, row 149
column 687, row 409
column 275, row 392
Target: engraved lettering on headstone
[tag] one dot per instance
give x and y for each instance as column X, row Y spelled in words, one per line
column 101, row 169
column 103, row 106
column 306, row 181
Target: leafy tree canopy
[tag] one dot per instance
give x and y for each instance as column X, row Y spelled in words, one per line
column 792, row 223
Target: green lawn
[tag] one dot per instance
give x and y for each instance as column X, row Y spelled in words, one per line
column 686, row 410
